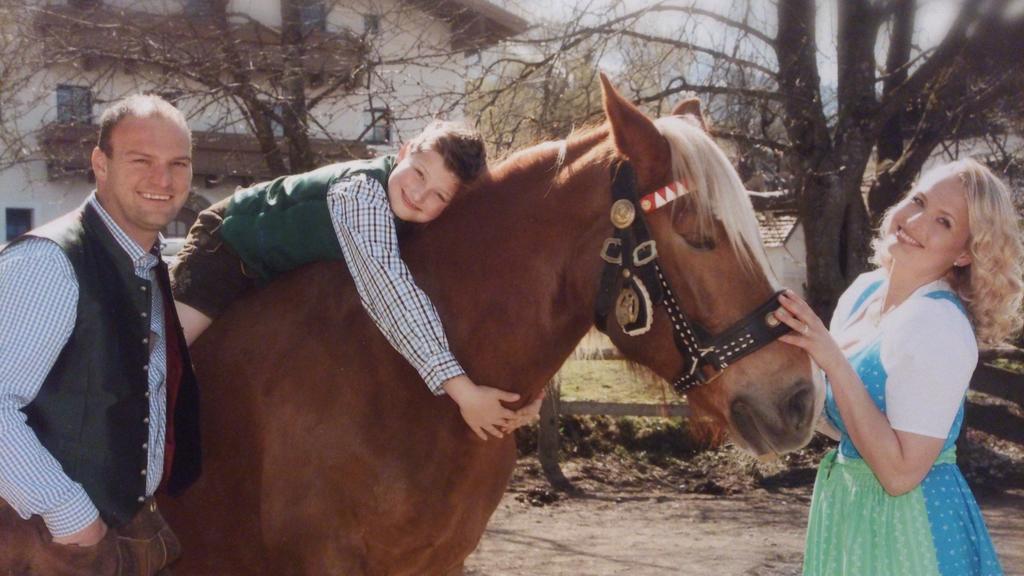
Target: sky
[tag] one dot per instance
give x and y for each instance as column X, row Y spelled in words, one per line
column 932, row 22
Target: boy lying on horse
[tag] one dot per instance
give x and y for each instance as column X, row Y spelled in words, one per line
column 348, row 211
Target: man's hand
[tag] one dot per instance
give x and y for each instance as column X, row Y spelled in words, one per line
column 88, row 536
column 481, row 406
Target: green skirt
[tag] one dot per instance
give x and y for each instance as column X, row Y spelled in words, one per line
column 856, row 528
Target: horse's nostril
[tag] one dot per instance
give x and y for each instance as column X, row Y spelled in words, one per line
column 797, row 409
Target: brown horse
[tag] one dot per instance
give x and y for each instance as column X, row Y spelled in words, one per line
column 326, row 454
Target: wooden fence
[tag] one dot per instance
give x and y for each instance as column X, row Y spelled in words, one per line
column 548, row 445
column 996, row 420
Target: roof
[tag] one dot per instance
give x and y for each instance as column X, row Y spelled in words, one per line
column 497, row 15
column 475, row 23
column 776, row 226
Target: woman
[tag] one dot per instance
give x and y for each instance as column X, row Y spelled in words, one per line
column 899, row 355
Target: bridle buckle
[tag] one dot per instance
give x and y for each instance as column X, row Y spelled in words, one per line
column 706, row 368
column 606, row 251
column 640, row 258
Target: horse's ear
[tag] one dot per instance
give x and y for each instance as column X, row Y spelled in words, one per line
column 635, row 135
column 691, row 107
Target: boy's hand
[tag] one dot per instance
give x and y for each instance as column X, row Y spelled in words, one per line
column 526, row 415
column 481, row 406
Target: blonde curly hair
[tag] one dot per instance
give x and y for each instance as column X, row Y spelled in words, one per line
column 992, row 285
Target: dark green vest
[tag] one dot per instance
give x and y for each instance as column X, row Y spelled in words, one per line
column 282, row 224
column 92, row 411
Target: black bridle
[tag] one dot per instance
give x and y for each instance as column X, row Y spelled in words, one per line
column 632, row 271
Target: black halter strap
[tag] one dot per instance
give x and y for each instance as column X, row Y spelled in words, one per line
column 630, row 251
column 631, row 254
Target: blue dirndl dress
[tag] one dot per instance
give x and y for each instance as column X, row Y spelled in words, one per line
column 857, row 528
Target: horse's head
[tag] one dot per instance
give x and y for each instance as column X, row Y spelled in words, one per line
column 711, row 263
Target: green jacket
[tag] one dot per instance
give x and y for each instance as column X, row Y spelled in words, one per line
column 282, row 224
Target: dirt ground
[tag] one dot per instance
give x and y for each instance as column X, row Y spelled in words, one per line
column 660, row 533
column 716, row 514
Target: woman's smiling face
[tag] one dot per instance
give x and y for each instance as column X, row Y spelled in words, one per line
column 930, row 228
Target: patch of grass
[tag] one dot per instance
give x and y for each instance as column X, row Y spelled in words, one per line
column 612, row 381
column 653, row 438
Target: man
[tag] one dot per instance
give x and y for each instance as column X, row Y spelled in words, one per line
column 98, row 403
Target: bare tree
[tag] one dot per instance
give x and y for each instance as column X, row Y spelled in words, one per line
column 14, row 78
column 283, row 85
column 846, row 147
column 846, row 151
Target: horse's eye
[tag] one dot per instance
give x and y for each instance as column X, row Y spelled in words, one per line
column 686, row 225
column 705, row 243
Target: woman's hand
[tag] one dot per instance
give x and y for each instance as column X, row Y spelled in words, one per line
column 809, row 333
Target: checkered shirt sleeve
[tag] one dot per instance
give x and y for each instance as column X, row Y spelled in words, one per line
column 365, row 226
column 38, row 300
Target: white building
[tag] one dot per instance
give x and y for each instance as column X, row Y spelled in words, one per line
column 402, row 62
column 784, row 241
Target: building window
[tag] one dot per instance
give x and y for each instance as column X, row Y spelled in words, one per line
column 371, row 24
column 276, row 127
column 74, row 104
column 313, row 14
column 186, row 217
column 378, row 126
column 182, row 223
column 198, row 8
column 19, row 221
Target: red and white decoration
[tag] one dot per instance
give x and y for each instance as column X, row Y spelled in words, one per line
column 663, row 196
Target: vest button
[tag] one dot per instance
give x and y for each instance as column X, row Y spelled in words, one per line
column 145, row 445
column 145, row 420
column 145, row 340
column 146, row 394
column 145, row 367
column 143, row 471
column 144, row 314
column 142, row 287
column 142, row 499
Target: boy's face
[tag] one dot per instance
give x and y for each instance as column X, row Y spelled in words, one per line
column 420, row 186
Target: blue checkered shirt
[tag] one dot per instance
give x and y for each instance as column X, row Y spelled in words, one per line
column 38, row 304
column 365, row 226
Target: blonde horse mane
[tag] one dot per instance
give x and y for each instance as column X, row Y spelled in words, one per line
column 716, row 188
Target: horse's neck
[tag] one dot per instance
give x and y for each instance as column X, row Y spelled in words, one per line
column 513, row 271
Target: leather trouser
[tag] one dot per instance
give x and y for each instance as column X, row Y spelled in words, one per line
column 146, row 546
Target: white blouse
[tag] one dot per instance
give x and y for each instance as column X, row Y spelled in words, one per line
column 928, row 350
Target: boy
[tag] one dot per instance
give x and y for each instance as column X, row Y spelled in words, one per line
column 347, row 211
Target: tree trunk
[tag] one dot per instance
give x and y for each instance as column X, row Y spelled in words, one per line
column 254, row 108
column 294, row 117
column 822, row 212
column 886, row 191
column 812, row 161
column 548, row 445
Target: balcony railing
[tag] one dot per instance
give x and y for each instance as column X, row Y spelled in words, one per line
column 184, row 44
column 67, row 149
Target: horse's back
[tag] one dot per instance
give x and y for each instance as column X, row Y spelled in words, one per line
column 323, row 449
